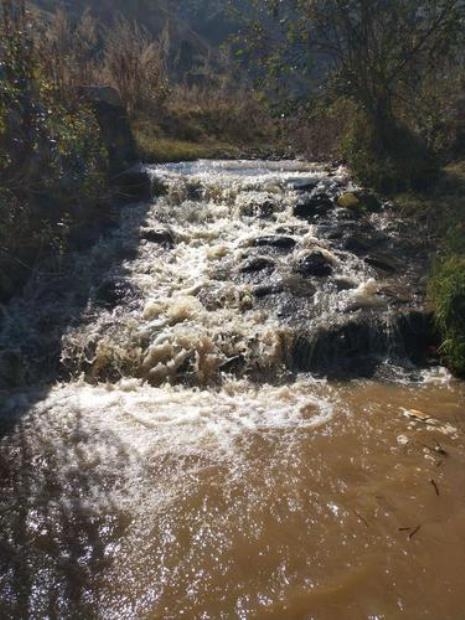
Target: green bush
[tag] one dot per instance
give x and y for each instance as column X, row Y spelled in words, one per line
column 389, row 158
column 447, row 290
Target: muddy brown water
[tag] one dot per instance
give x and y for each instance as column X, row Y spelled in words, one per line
column 298, row 499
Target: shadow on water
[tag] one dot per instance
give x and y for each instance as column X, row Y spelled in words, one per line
column 61, row 295
column 57, row 515
column 59, row 519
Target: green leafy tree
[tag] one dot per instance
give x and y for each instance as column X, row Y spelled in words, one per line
column 372, row 52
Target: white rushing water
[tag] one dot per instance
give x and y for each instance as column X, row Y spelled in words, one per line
column 192, row 307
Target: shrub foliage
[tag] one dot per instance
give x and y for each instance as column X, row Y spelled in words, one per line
column 448, row 295
column 53, row 164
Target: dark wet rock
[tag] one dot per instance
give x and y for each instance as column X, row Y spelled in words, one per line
column 362, row 243
column 134, row 185
column 316, row 263
column 335, row 229
column 194, row 191
column 312, row 206
column 280, row 242
column 266, row 290
column 344, row 284
column 397, row 293
column 347, row 215
column 263, row 208
column 298, row 287
column 339, row 350
column 369, row 201
column 418, row 335
column 303, row 185
column 256, row 264
column 159, row 187
column 333, row 232
column 292, row 230
column 382, row 262
column 360, row 346
column 222, row 272
column 288, row 299
column 162, row 236
column 234, row 365
column 112, row 293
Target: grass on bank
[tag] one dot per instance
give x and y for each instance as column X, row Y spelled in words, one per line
column 154, row 149
column 154, row 146
column 443, row 208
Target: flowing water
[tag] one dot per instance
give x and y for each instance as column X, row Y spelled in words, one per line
column 187, row 466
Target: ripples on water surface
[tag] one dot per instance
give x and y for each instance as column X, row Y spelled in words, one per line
column 232, row 499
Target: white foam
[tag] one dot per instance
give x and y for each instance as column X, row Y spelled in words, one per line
column 150, row 422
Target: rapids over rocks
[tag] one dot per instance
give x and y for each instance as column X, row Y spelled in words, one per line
column 228, row 407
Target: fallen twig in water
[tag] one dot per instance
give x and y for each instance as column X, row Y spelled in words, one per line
column 362, row 518
column 437, row 449
column 415, row 531
column 436, row 487
column 425, row 420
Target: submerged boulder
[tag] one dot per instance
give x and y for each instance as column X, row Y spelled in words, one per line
column 194, row 191
column 382, row 262
column 292, row 230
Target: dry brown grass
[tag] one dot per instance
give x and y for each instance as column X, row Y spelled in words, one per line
column 134, row 63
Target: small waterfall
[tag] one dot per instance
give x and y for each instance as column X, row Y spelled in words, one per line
column 237, row 265
column 245, row 268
